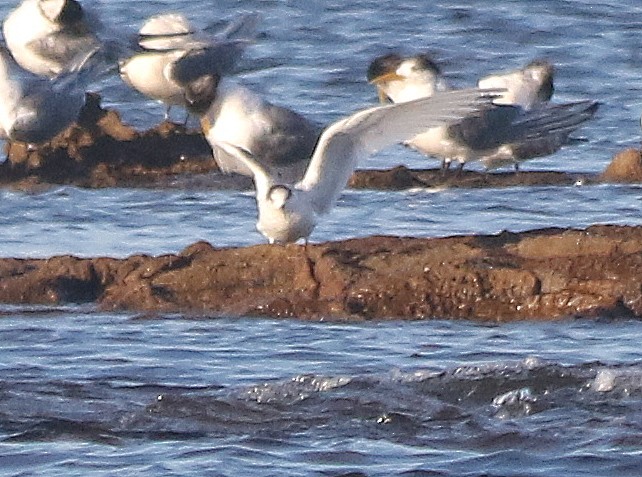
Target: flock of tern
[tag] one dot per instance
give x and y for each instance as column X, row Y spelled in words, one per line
column 54, row 49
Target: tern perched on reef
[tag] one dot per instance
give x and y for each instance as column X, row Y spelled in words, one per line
column 503, row 134
column 289, row 212
column 280, row 139
column 46, row 37
column 33, row 109
column 174, row 56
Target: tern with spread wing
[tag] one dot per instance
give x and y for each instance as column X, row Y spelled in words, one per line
column 287, row 213
column 503, row 134
column 175, row 56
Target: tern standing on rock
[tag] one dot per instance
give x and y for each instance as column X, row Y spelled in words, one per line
column 501, row 134
column 289, row 212
column 175, row 56
column 46, row 37
column 280, row 140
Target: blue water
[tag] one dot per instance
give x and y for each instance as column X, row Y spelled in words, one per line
column 87, row 393
column 83, row 392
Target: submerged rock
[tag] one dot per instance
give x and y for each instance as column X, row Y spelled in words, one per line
column 544, row 274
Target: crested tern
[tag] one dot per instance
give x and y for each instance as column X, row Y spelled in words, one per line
column 528, row 87
column 33, row 109
column 502, row 134
column 174, row 55
column 289, row 212
column 46, row 36
column 280, row 139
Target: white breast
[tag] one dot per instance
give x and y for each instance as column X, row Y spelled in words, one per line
column 240, row 117
column 148, row 73
column 21, row 27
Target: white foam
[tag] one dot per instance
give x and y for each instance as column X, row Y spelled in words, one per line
column 604, row 381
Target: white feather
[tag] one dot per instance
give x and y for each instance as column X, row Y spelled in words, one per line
column 348, row 141
column 340, row 148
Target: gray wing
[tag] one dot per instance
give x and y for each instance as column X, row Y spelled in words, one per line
column 345, row 142
column 284, row 150
column 63, row 47
column 544, row 129
column 44, row 116
column 216, row 59
column 243, row 27
column 83, row 70
column 489, row 128
column 218, row 53
column 47, row 107
column 291, row 138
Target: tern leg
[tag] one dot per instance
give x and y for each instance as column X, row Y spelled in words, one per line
column 460, row 169
column 445, row 165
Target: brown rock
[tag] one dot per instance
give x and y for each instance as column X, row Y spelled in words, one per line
column 626, row 166
column 544, row 274
column 401, row 177
column 101, row 151
column 397, row 178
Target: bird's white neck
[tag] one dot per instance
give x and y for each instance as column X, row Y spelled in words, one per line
column 413, row 88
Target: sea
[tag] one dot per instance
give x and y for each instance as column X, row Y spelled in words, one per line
column 85, row 392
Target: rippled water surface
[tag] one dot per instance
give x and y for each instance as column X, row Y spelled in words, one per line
column 93, row 394
column 87, row 393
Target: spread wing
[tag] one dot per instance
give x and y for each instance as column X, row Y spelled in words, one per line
column 547, row 127
column 343, row 144
column 219, row 58
column 243, row 27
column 240, row 158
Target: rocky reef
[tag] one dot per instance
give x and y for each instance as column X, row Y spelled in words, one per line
column 101, row 151
column 544, row 274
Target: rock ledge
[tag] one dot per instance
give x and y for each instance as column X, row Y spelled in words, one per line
column 542, row 274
